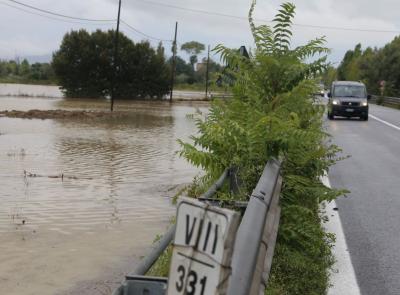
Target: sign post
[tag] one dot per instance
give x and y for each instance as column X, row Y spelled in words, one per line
column 202, row 250
column 382, row 85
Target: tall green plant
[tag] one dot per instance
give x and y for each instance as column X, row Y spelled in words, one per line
column 274, row 114
column 272, row 109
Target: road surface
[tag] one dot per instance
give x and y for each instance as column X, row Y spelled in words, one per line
column 370, row 215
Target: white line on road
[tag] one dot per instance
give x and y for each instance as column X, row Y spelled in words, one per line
column 384, row 122
column 343, row 278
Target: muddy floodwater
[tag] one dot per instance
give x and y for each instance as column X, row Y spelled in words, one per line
column 81, row 201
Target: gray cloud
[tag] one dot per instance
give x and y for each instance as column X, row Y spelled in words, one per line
column 26, row 34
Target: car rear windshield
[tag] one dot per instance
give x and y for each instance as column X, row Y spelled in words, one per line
column 349, row 91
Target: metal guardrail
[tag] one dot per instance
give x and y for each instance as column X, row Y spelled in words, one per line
column 145, row 265
column 221, row 95
column 257, row 235
column 147, row 262
column 254, row 243
column 386, row 100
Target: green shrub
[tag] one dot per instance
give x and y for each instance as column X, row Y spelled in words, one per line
column 380, row 100
column 273, row 114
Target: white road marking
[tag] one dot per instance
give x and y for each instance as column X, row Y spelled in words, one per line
column 343, row 278
column 384, row 122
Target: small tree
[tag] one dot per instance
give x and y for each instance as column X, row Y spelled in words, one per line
column 193, row 48
column 41, row 71
column 184, row 71
column 24, row 68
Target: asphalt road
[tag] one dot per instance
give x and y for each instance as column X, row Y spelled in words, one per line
column 371, row 213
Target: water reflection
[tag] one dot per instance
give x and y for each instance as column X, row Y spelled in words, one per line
column 115, row 174
column 100, row 160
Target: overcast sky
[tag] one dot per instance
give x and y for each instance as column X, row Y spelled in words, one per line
column 25, row 34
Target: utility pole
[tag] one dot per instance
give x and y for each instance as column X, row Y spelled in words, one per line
column 173, row 63
column 208, row 61
column 115, row 58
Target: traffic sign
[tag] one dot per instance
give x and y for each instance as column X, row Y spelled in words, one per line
column 202, row 251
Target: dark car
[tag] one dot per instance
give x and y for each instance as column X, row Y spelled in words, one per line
column 320, row 90
column 348, row 99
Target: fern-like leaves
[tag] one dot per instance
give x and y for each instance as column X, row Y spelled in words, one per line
column 282, row 28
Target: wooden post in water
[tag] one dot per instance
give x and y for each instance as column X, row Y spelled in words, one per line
column 173, row 63
column 208, row 62
column 115, row 59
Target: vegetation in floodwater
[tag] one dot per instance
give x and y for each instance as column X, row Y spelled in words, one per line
column 152, row 81
column 84, row 65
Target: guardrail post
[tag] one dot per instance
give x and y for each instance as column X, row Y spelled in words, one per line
column 234, row 182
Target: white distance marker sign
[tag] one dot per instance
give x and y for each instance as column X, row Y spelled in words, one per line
column 203, row 248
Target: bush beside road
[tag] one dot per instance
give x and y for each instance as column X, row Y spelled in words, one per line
column 272, row 114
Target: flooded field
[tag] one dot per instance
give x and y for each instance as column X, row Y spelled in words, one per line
column 26, row 90
column 81, row 201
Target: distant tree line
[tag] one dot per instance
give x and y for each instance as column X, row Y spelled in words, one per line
column 84, row 66
column 24, row 72
column 373, row 66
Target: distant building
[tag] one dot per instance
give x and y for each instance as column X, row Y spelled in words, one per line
column 201, row 66
column 243, row 51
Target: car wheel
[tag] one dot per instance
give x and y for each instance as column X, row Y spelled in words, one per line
column 330, row 116
column 365, row 118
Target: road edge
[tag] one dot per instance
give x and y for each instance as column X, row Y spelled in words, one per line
column 384, row 122
column 343, row 278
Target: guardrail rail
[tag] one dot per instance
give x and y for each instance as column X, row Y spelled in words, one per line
column 254, row 241
column 386, row 101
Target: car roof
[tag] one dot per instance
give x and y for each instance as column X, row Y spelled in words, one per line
column 348, row 83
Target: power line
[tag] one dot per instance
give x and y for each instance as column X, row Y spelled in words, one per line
column 52, row 18
column 196, row 11
column 193, row 10
column 144, row 34
column 76, row 18
column 264, row 21
column 346, row 29
column 61, row 15
column 108, row 21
